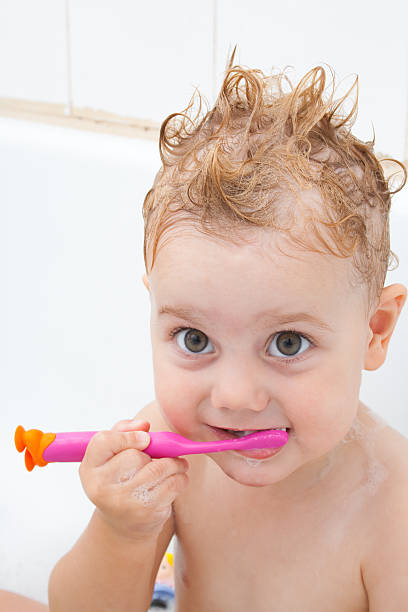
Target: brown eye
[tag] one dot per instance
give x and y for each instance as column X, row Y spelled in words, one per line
column 194, row 340
column 288, row 344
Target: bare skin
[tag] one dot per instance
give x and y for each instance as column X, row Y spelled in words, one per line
column 237, row 548
column 12, row 602
column 320, row 525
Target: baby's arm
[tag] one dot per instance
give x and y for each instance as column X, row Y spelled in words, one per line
column 385, row 568
column 114, row 563
column 12, row 602
column 105, row 572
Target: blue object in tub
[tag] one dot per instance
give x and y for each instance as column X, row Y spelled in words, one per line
column 163, row 596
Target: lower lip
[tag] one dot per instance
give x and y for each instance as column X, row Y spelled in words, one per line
column 255, row 453
column 259, row 453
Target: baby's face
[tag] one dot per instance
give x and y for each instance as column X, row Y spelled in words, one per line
column 277, row 342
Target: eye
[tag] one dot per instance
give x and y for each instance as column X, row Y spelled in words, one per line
column 193, row 341
column 288, row 343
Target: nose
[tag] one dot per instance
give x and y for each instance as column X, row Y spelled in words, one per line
column 239, row 389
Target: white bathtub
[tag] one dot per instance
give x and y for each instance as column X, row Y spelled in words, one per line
column 74, row 316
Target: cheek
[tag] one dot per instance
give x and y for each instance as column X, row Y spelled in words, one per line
column 178, row 393
column 326, row 403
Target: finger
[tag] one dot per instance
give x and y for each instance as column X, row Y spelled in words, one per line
column 131, row 424
column 156, row 471
column 160, row 493
column 124, row 466
column 106, row 444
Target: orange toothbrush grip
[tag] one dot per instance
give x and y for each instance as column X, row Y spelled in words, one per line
column 34, row 441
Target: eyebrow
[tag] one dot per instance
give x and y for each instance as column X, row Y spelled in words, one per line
column 270, row 317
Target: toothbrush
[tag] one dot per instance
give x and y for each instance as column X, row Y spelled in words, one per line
column 42, row 448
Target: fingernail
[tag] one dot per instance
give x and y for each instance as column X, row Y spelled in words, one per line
column 142, row 437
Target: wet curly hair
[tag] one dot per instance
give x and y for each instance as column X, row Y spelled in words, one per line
column 262, row 157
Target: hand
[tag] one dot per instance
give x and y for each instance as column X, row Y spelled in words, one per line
column 133, row 492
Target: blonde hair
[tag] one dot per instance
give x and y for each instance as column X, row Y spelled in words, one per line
column 228, row 169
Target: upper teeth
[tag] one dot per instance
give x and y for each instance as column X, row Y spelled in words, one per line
column 250, row 431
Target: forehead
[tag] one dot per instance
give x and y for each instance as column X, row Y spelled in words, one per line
column 259, row 265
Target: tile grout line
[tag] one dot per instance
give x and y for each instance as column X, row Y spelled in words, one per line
column 405, row 153
column 68, row 107
column 214, row 52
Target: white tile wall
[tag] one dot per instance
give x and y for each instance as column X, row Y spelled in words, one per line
column 140, row 59
column 144, row 59
column 368, row 38
column 33, row 62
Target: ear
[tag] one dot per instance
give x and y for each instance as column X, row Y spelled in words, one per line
column 382, row 323
column 146, row 281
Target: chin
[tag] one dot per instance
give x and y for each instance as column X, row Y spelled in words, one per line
column 255, row 485
column 249, row 474
column 251, row 480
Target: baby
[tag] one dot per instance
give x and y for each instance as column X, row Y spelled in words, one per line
column 266, row 250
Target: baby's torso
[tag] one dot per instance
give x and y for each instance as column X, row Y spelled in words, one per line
column 235, row 558
column 237, row 550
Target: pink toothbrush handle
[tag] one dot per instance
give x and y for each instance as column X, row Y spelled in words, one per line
column 71, row 446
column 68, row 446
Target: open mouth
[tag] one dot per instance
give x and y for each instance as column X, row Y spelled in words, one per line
column 224, row 433
column 240, row 433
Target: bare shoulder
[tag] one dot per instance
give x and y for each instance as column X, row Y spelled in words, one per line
column 151, row 412
column 385, row 448
column 390, row 449
column 385, row 560
column 11, row 602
